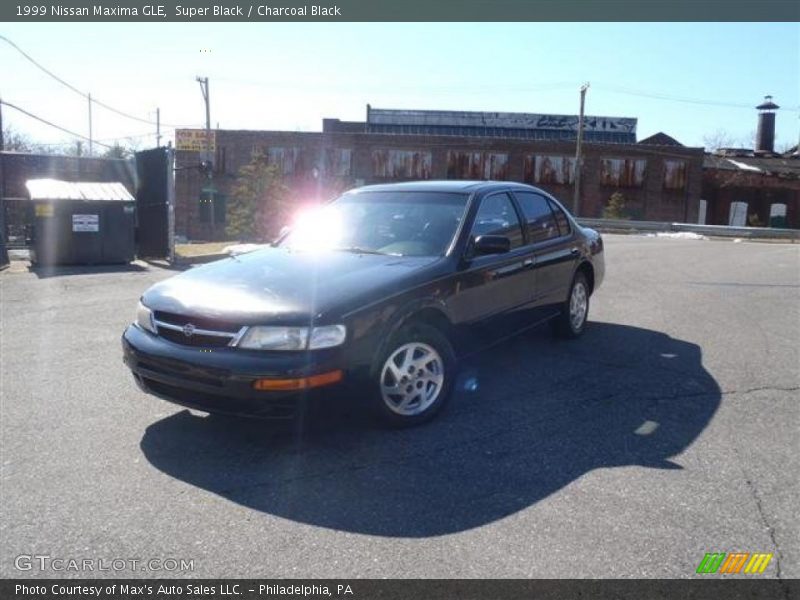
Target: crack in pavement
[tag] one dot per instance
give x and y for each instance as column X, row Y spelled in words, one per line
column 764, row 521
column 766, row 388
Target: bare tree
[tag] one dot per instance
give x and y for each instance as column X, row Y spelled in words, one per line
column 718, row 139
column 14, row 141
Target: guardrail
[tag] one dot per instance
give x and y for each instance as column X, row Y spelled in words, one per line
column 624, row 225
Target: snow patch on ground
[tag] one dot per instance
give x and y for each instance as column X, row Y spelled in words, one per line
column 679, row 235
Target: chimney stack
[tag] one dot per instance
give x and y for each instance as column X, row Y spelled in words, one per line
column 765, row 135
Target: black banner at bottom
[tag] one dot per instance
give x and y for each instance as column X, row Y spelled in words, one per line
column 390, row 589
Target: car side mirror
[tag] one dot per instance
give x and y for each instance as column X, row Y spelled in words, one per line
column 491, row 244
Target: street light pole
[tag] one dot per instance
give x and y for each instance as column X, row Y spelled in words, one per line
column 576, row 200
column 158, row 127
column 90, row 125
column 203, row 81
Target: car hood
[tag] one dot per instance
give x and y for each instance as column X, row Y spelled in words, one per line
column 278, row 285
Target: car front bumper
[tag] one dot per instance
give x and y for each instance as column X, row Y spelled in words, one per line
column 220, row 380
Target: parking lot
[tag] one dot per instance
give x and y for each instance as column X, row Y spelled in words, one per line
column 668, row 431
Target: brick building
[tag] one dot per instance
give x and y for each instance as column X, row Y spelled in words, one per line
column 659, row 178
column 757, row 187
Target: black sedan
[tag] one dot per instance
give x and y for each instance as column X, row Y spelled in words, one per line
column 384, row 288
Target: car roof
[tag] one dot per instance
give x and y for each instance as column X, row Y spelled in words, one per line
column 449, row 185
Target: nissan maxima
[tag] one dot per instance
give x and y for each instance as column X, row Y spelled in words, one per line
column 384, row 289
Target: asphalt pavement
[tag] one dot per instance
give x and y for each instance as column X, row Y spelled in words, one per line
column 668, row 431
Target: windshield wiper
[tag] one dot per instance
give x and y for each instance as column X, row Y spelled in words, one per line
column 360, row 250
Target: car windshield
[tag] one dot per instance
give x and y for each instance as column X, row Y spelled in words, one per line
column 396, row 223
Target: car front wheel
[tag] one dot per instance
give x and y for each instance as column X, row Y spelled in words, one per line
column 414, row 376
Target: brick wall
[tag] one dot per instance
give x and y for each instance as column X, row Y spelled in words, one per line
column 650, row 200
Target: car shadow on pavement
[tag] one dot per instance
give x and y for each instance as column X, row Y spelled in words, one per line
column 530, row 417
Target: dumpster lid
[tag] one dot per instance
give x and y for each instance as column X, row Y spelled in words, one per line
column 54, row 189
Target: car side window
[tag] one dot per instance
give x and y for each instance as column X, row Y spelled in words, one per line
column 496, row 216
column 561, row 219
column 540, row 220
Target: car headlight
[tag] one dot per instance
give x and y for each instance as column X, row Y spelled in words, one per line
column 327, row 336
column 293, row 338
column 144, row 318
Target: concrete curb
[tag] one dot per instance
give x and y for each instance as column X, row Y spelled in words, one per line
column 719, row 231
column 200, row 259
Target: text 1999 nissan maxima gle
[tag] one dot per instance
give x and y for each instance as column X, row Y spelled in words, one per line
column 384, row 287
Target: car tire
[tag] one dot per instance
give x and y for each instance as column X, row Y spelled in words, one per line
column 574, row 314
column 413, row 378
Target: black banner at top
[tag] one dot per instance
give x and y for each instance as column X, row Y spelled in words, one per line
column 262, row 11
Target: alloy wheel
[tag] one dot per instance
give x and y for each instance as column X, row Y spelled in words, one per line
column 412, row 378
column 578, row 305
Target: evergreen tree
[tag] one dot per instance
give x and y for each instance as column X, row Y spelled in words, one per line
column 258, row 205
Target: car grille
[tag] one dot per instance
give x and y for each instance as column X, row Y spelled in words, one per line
column 195, row 331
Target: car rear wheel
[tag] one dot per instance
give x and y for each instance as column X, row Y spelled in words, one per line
column 414, row 376
column 571, row 322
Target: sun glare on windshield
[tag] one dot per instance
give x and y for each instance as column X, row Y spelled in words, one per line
column 316, row 229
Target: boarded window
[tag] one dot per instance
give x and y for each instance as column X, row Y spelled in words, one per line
column 549, row 169
column 477, row 165
column 675, row 174
column 622, row 172
column 289, row 161
column 337, row 162
column 401, row 164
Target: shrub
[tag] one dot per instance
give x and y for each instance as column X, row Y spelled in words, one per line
column 616, row 209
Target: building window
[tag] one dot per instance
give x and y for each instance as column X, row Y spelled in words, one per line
column 337, row 162
column 622, row 172
column 675, row 174
column 401, row 164
column 289, row 161
column 477, row 165
column 549, row 169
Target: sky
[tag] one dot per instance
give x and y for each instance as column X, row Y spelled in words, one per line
column 689, row 80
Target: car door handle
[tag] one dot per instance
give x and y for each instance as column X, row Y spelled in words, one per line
column 574, row 252
column 527, row 262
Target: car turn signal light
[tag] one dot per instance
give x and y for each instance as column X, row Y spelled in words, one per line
column 302, row 383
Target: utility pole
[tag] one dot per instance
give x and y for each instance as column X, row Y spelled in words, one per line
column 158, row 128
column 203, row 81
column 90, row 124
column 2, row 138
column 576, row 200
column 2, row 173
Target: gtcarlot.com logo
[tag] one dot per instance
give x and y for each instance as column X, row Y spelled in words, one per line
column 45, row 562
column 733, row 563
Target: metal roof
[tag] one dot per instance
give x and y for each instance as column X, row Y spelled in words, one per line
column 499, row 124
column 54, row 189
column 787, row 168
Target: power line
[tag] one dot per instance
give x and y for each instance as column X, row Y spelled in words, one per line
column 76, row 90
column 671, row 98
column 46, row 122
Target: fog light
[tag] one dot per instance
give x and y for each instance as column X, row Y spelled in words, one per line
column 302, row 383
